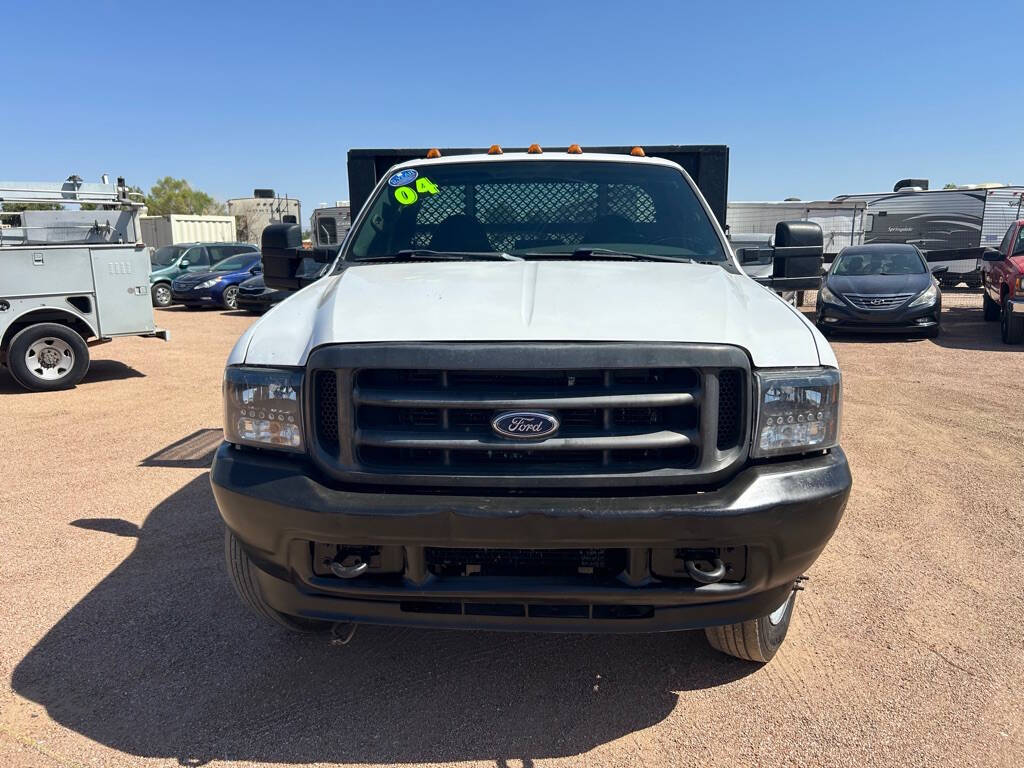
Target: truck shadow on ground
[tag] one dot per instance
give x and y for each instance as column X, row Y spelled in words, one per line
column 161, row 660
column 99, row 370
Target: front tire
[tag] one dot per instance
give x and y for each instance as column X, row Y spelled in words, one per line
column 757, row 639
column 230, row 297
column 243, row 578
column 1011, row 328
column 47, row 356
column 161, row 293
column 990, row 308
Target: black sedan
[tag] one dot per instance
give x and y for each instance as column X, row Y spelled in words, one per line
column 255, row 296
column 880, row 288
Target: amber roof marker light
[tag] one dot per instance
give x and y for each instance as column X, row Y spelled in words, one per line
column 495, row 150
column 432, row 153
column 574, row 149
column 637, row 152
column 535, row 150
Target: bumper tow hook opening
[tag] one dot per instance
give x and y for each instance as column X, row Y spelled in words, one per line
column 713, row 576
column 343, row 571
column 342, row 632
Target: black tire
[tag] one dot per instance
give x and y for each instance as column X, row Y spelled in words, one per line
column 990, row 308
column 66, row 347
column 1011, row 328
column 241, row 572
column 161, row 293
column 754, row 640
column 230, row 297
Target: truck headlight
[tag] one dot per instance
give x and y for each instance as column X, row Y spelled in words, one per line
column 798, row 410
column 210, row 283
column 828, row 297
column 263, row 407
column 926, row 297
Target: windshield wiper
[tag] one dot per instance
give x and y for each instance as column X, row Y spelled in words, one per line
column 610, row 253
column 426, row 254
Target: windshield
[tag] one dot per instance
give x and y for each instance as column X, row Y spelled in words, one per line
column 537, row 209
column 877, row 262
column 164, row 257
column 233, row 263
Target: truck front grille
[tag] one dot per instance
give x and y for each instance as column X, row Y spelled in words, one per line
column 422, row 422
column 608, row 418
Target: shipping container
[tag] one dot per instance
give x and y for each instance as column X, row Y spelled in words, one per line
column 158, row 231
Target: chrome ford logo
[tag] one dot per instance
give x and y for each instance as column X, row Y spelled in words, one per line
column 524, row 425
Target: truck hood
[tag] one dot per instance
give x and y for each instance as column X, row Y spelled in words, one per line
column 535, row 301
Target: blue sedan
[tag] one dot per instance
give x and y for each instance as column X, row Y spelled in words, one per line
column 219, row 286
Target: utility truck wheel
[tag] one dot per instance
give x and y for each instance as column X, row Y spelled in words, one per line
column 161, row 295
column 756, row 639
column 991, row 308
column 230, row 297
column 1011, row 327
column 243, row 577
column 47, row 356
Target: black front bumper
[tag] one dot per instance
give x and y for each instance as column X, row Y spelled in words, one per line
column 832, row 317
column 191, row 296
column 783, row 513
column 259, row 302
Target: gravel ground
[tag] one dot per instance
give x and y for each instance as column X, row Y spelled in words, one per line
column 122, row 644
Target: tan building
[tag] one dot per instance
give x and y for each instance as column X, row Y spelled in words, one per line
column 252, row 214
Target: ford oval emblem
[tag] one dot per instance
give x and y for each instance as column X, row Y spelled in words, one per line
column 524, row 425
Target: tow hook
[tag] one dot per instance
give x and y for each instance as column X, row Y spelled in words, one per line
column 342, row 632
column 713, row 576
column 351, row 571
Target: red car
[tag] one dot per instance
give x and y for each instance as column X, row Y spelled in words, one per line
column 1003, row 283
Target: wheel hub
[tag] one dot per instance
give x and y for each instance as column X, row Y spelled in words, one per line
column 50, row 358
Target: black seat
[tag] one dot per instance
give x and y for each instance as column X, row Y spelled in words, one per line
column 460, row 233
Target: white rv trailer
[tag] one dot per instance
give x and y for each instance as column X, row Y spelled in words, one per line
column 330, row 224
column 951, row 226
column 842, row 223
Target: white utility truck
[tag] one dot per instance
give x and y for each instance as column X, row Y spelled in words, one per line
column 69, row 278
column 535, row 392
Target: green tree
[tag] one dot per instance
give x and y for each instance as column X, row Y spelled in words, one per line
column 950, row 185
column 170, row 195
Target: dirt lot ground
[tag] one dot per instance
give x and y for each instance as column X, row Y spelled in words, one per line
column 122, row 644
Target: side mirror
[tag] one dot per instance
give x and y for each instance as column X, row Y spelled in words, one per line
column 280, row 244
column 256, row 270
column 991, row 254
column 939, row 270
column 797, row 257
column 184, row 263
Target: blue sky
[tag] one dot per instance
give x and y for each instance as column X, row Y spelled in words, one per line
column 813, row 99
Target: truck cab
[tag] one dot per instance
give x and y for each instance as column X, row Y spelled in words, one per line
column 1003, row 284
column 534, row 392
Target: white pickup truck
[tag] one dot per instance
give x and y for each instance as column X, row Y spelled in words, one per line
column 536, row 392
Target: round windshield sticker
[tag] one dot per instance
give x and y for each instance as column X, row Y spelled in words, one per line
column 400, row 179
